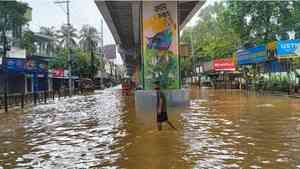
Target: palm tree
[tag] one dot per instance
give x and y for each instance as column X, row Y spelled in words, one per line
column 62, row 35
column 89, row 40
column 50, row 32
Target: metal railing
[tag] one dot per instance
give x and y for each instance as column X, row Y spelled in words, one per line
column 22, row 99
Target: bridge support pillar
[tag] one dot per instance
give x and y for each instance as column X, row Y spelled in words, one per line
column 160, row 41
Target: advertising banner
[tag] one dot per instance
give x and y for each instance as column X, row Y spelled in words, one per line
column 15, row 64
column 160, row 44
column 223, row 64
column 252, row 55
column 288, row 48
column 33, row 65
column 15, row 52
column 58, row 72
column 26, row 66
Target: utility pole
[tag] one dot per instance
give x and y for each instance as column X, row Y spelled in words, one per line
column 193, row 56
column 5, row 47
column 67, row 2
column 102, row 54
column 4, row 65
column 102, row 38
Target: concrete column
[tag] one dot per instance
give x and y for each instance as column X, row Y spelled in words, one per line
column 160, row 41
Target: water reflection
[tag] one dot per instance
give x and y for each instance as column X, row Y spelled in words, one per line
column 219, row 129
column 229, row 130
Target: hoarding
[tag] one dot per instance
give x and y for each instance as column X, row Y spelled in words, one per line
column 34, row 65
column 252, row 55
column 58, row 72
column 288, row 48
column 223, row 64
column 160, row 44
column 15, row 52
column 16, row 64
column 26, row 66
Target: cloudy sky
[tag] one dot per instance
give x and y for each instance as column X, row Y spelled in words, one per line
column 47, row 13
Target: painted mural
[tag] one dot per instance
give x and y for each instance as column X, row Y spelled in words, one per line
column 160, row 44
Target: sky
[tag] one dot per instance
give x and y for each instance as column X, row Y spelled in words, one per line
column 47, row 13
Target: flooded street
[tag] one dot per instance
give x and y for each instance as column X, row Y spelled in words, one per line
column 218, row 129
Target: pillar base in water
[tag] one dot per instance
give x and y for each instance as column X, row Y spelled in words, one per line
column 145, row 100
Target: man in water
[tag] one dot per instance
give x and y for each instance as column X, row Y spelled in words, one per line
column 161, row 108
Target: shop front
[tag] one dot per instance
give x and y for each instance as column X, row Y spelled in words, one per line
column 225, row 75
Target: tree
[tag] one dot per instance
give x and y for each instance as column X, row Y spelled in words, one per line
column 62, row 36
column 291, row 21
column 212, row 35
column 50, row 32
column 262, row 21
column 89, row 39
column 61, row 59
column 80, row 62
column 12, row 17
column 27, row 42
column 12, row 14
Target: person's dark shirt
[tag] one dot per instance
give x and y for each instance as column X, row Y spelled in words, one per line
column 161, row 98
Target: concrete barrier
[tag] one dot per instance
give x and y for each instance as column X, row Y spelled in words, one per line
column 145, row 100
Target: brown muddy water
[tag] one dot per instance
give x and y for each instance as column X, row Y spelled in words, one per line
column 218, row 129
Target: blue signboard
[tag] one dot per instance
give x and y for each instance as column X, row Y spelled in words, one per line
column 287, row 48
column 15, row 65
column 251, row 55
column 33, row 65
column 26, row 66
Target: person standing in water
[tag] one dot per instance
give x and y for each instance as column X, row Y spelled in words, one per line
column 161, row 108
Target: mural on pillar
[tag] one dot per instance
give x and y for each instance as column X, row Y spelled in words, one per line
column 160, row 40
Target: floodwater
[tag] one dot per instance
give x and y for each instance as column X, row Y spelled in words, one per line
column 218, row 129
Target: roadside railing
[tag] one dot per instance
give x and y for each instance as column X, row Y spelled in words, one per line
column 41, row 97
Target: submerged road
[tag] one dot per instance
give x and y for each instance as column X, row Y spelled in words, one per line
column 219, row 129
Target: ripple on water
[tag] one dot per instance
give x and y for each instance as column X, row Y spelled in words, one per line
column 78, row 131
column 218, row 130
column 237, row 129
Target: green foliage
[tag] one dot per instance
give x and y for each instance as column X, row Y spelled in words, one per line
column 62, row 36
column 51, row 32
column 225, row 26
column 161, row 68
column 212, row 36
column 12, row 14
column 60, row 61
column 12, row 17
column 27, row 42
column 83, row 55
column 89, row 38
column 186, row 66
column 80, row 62
column 89, row 41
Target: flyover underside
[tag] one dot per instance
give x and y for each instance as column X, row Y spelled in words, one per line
column 124, row 21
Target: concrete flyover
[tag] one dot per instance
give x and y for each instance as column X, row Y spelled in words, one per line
column 124, row 19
